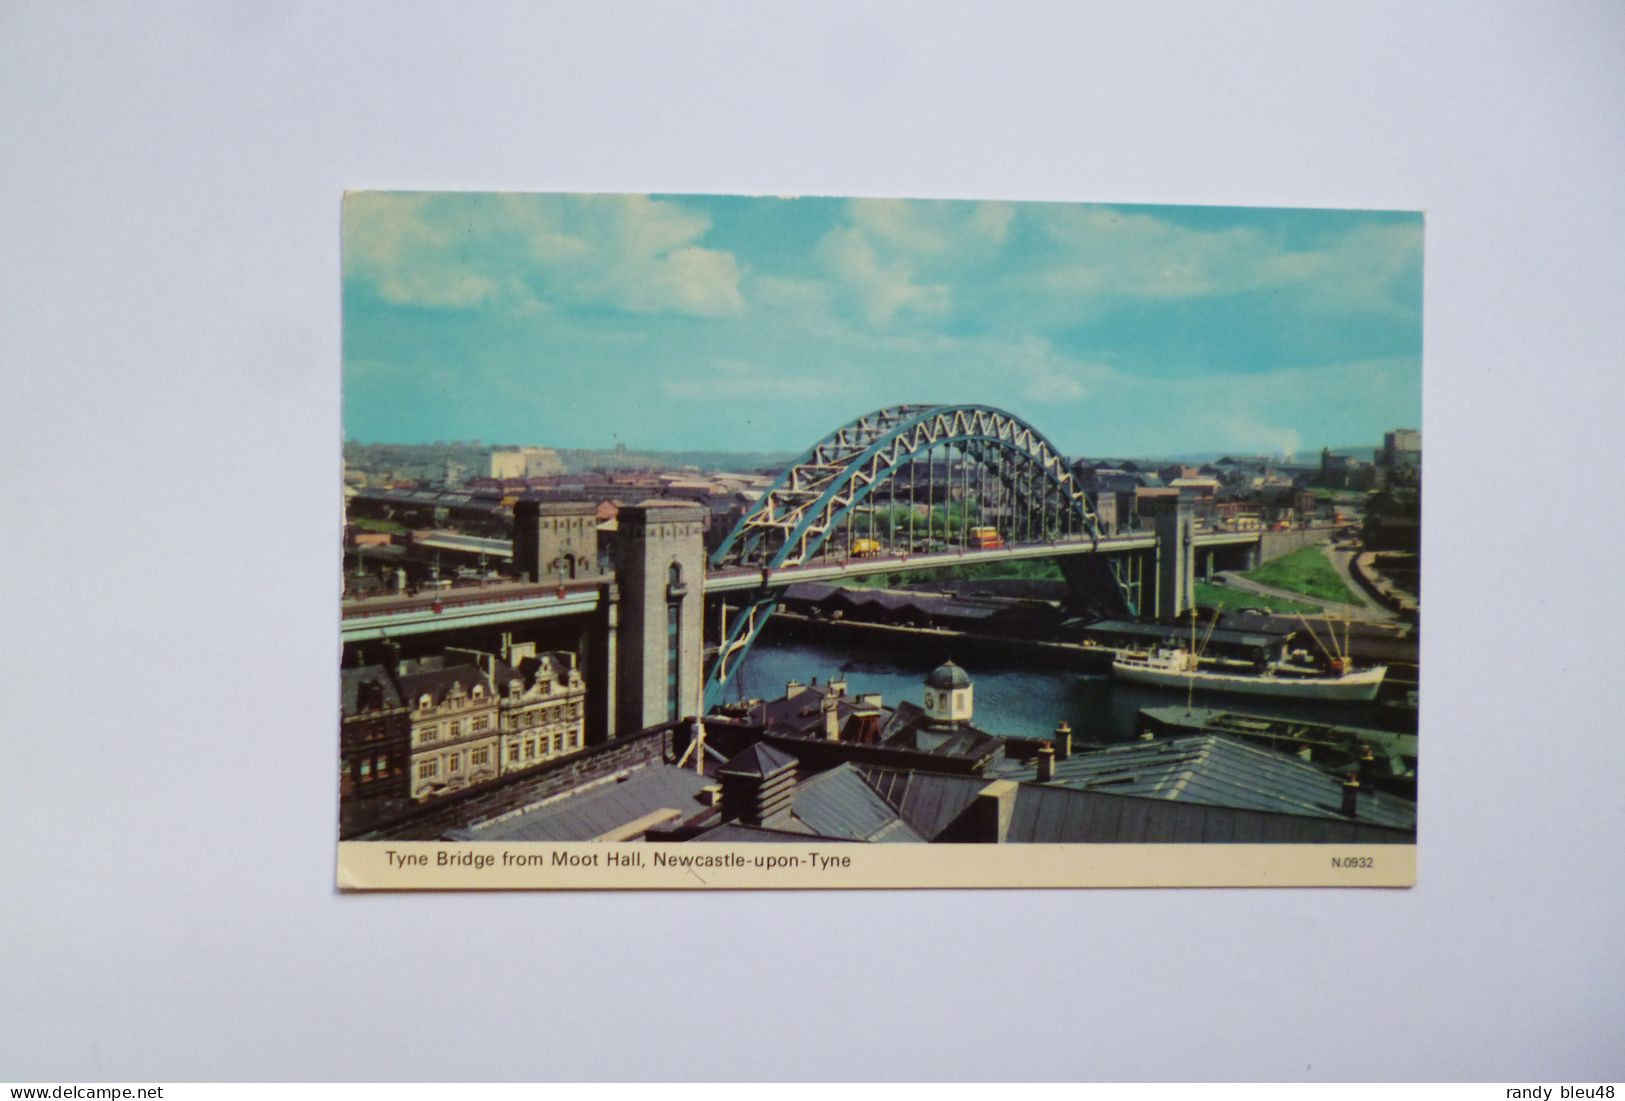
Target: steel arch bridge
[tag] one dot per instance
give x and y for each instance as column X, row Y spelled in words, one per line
column 967, row 462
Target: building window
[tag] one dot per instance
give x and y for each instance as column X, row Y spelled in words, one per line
column 673, row 650
column 530, row 749
column 456, row 728
column 454, row 762
column 557, row 743
column 366, row 770
column 382, row 768
column 481, row 723
column 428, row 770
column 513, row 752
column 479, row 757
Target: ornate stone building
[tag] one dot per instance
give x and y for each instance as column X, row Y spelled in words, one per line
column 455, row 735
column 541, row 706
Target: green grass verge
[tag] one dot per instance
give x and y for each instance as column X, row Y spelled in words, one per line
column 1233, row 600
column 1304, row 571
column 366, row 523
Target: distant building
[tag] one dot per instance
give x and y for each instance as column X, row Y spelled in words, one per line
column 1401, row 450
column 526, row 462
column 1402, row 439
column 1105, row 509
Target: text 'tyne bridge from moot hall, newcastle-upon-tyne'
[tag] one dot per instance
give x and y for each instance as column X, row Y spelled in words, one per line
column 916, row 487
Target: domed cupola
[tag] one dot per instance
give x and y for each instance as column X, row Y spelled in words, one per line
column 948, row 695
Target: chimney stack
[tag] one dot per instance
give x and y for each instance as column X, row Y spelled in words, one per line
column 757, row 783
column 830, row 705
column 1351, row 796
column 1063, row 740
column 1046, row 763
column 987, row 820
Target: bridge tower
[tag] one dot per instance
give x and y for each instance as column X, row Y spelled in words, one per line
column 660, row 572
column 1174, row 519
column 555, row 540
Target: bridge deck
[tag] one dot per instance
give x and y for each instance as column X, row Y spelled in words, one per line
column 740, row 578
column 393, row 616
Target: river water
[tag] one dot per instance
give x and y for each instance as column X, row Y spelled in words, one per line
column 1012, row 698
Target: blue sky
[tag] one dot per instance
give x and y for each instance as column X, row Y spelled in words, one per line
column 704, row 322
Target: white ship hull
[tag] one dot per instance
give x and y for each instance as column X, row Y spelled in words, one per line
column 1357, row 686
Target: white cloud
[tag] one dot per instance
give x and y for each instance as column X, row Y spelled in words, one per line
column 926, row 227
column 1113, row 252
column 991, row 221
column 893, row 259
column 1119, row 253
column 455, row 251
column 879, row 289
column 1035, row 370
column 690, row 280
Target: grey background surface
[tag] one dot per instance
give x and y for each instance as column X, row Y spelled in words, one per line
column 169, row 204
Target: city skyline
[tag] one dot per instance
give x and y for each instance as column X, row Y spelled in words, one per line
column 755, row 324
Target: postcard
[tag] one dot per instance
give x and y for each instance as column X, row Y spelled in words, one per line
column 750, row 542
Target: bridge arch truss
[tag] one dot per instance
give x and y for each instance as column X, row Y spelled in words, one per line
column 1007, row 468
column 972, row 467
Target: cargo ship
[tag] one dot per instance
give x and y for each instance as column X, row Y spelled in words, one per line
column 1179, row 668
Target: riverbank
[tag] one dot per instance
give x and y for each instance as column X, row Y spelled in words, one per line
column 944, row 643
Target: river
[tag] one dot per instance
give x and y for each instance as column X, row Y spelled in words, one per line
column 1014, row 699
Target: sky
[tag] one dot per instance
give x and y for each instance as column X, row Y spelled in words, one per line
column 760, row 324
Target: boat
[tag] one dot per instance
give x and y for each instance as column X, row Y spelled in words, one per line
column 1174, row 666
column 1178, row 668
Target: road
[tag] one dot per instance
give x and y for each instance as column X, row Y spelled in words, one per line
column 1365, row 611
